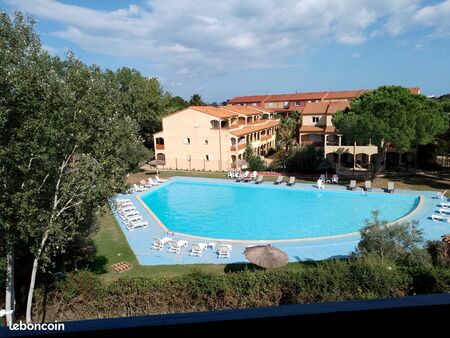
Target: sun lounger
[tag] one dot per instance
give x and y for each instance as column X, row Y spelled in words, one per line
column 445, row 205
column 320, row 184
column 390, row 187
column 224, row 251
column 197, row 249
column 138, row 188
column 260, row 179
column 127, row 209
column 159, row 180
column 152, row 182
column 291, row 181
column 279, row 180
column 440, row 218
column 125, row 215
column 124, row 202
column 335, row 179
column 240, row 177
column 133, row 225
column 441, row 195
column 368, row 185
column 158, row 243
column 175, row 247
column 444, row 211
column 248, row 178
column 352, row 185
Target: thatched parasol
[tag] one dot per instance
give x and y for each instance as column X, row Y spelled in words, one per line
column 156, row 163
column 266, row 256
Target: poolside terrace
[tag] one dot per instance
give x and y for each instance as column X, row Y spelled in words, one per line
column 140, row 240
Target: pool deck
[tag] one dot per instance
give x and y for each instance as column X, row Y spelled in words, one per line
column 141, row 239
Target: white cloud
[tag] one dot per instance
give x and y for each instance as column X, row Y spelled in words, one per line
column 187, row 37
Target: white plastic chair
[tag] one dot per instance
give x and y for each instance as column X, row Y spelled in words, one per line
column 158, row 243
column 175, row 247
column 197, row 249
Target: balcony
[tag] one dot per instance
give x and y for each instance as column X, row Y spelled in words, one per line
column 312, row 143
column 240, row 146
column 159, row 146
column 265, row 137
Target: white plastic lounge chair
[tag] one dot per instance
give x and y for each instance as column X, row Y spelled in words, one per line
column 444, row 211
column 241, row 177
column 152, row 182
column 133, row 219
column 279, row 180
column 322, row 177
column 352, row 185
column 320, row 184
column 254, row 175
column 291, row 181
column 159, row 180
column 224, row 251
column 133, row 225
column 390, row 187
column 139, row 188
column 127, row 209
column 260, row 179
column 440, row 218
column 175, row 247
column 123, row 202
column 197, row 249
column 125, row 215
column 230, row 174
column 441, row 195
column 368, row 185
column 158, row 243
column 335, row 179
column 445, row 205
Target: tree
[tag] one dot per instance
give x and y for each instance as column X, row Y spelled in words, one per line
column 391, row 116
column 254, row 161
column 196, row 100
column 287, row 136
column 177, row 103
column 63, row 147
column 397, row 242
column 304, row 160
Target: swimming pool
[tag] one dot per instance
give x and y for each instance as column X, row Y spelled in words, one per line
column 254, row 212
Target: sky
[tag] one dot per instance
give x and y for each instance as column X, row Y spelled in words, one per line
column 226, row 48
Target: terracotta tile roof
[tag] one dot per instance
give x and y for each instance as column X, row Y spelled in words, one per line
column 311, row 129
column 252, row 129
column 260, row 109
column 220, row 113
column 324, row 107
column 248, row 99
column 324, row 95
column 241, row 110
column 330, row 129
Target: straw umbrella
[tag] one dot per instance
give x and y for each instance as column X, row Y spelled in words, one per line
column 266, row 256
column 156, row 163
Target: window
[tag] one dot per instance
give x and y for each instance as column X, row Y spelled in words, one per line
column 207, row 158
column 214, row 124
column 270, row 104
column 205, row 141
column 315, row 119
column 186, row 140
column 297, row 103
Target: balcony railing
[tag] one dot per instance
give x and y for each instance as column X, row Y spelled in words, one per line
column 159, row 146
column 239, row 146
column 265, row 137
column 313, row 143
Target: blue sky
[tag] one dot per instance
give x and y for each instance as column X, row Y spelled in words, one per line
column 227, row 48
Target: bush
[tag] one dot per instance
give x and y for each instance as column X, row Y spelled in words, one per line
column 397, row 242
column 439, row 252
column 304, row 160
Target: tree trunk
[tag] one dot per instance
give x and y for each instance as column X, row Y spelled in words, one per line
column 33, row 278
column 9, row 300
column 376, row 167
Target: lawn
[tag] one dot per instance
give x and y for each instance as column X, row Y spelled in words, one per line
column 112, row 246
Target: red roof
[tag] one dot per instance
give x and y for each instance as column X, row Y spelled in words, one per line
column 220, row 113
column 325, row 107
column 324, row 95
column 243, row 110
column 317, row 129
column 252, row 129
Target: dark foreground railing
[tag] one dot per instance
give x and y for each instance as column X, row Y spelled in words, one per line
column 382, row 318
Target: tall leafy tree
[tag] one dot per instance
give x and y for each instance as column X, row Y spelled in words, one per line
column 391, row 116
column 63, row 146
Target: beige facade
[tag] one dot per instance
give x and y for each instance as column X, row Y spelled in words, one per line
column 210, row 138
column 316, row 128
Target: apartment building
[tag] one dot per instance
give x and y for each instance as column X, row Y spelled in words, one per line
column 210, row 138
column 286, row 103
column 316, row 128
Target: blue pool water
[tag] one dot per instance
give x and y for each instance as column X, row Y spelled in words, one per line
column 252, row 212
